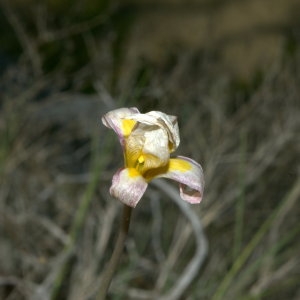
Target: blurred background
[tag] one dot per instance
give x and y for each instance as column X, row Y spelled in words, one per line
column 230, row 71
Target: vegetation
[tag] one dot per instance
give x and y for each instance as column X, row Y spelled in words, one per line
column 65, row 63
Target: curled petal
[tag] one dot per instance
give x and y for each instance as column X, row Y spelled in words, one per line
column 190, row 176
column 118, row 121
column 128, row 186
column 171, row 126
column 167, row 123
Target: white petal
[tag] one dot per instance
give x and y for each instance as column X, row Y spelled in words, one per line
column 116, row 120
column 128, row 186
column 171, row 126
column 162, row 120
column 190, row 176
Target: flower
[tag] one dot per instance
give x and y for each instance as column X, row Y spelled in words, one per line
column 147, row 141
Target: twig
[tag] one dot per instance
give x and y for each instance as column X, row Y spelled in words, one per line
column 156, row 227
column 47, row 36
column 240, row 261
column 176, row 248
column 26, row 42
column 195, row 264
column 197, row 261
column 115, row 258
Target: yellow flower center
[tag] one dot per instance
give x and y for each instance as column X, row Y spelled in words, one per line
column 141, row 155
column 137, row 169
column 133, row 172
column 141, row 162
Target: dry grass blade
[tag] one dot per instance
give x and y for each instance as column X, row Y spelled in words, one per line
column 291, row 197
column 195, row 264
column 235, row 89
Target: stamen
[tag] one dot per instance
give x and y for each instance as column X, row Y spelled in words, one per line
column 141, row 159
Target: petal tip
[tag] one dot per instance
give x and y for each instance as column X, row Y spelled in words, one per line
column 191, row 196
column 127, row 188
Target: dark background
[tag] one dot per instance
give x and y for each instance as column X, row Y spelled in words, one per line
column 228, row 69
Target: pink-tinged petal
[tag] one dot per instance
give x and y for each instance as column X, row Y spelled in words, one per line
column 118, row 121
column 128, row 186
column 190, row 176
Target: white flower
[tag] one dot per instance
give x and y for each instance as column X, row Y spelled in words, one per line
column 147, row 141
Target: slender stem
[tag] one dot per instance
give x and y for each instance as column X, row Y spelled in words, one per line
column 115, row 258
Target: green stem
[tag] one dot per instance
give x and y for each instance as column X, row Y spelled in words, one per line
column 115, row 258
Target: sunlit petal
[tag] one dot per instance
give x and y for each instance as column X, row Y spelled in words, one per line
column 128, row 186
column 190, row 176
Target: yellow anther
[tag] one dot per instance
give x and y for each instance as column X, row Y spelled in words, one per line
column 141, row 159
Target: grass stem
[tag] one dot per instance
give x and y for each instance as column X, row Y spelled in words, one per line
column 115, row 258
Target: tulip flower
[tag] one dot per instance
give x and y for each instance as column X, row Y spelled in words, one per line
column 147, row 141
